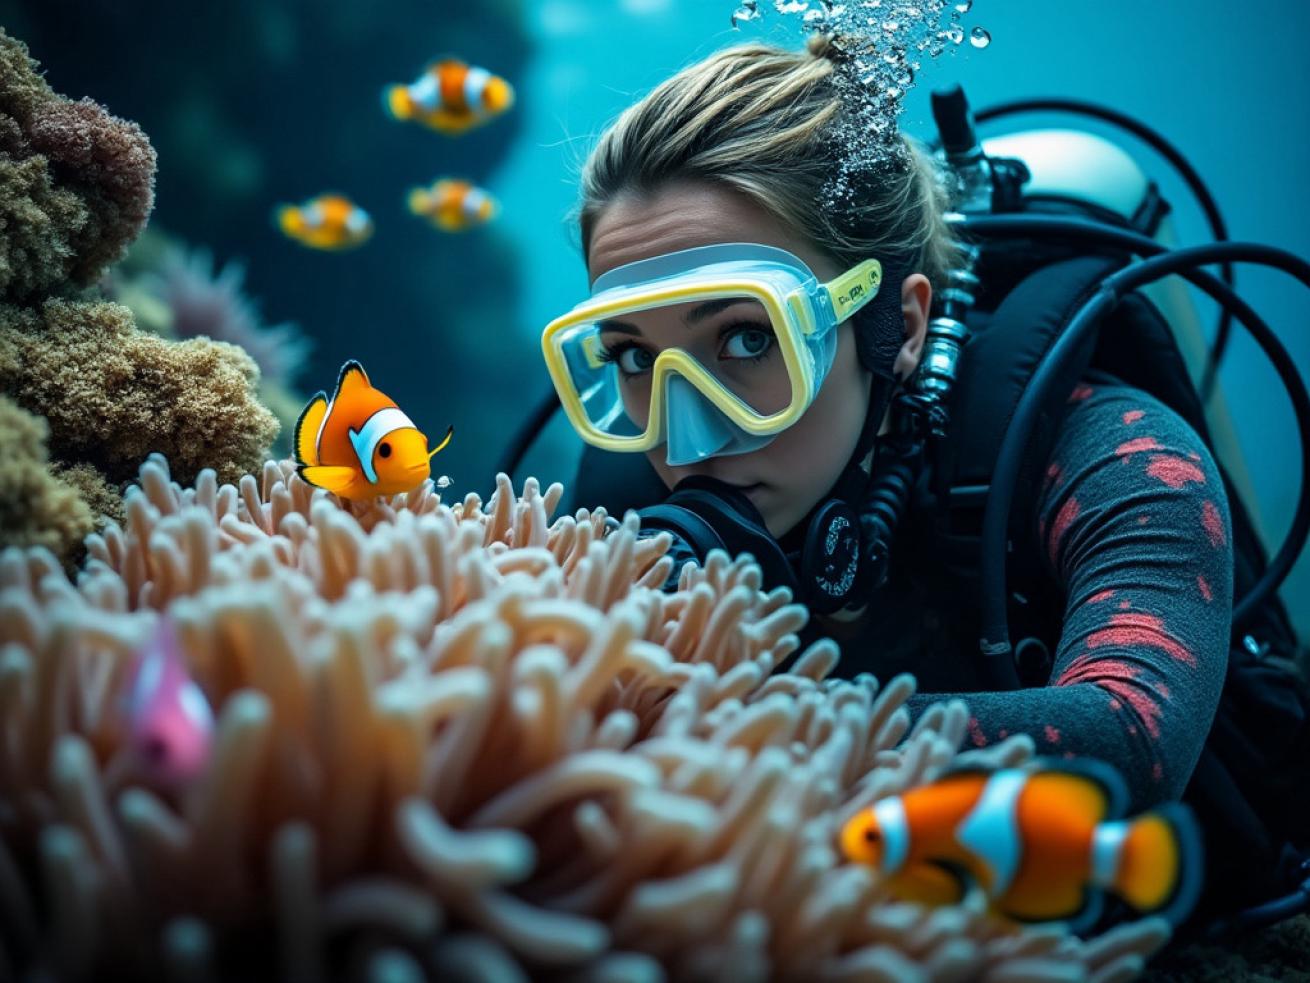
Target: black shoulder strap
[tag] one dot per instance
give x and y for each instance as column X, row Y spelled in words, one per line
column 1003, row 350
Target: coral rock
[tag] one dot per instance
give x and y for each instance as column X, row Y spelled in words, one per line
column 36, row 509
column 76, row 183
column 113, row 394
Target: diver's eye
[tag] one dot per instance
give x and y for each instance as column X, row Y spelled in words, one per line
column 384, row 449
column 635, row 360
column 748, row 342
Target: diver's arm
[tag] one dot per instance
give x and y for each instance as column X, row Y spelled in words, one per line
column 1134, row 523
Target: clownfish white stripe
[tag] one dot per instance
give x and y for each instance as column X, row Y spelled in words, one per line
column 473, row 202
column 1107, row 850
column 474, row 83
column 426, row 92
column 991, row 829
column 895, row 829
column 357, row 220
column 366, row 439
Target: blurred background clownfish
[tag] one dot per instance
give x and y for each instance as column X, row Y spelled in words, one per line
column 328, row 221
column 453, row 205
column 450, row 97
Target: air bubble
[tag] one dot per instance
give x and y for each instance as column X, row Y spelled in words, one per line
column 979, row 38
column 748, row 11
column 791, row 6
column 963, row 6
column 956, row 34
column 444, row 481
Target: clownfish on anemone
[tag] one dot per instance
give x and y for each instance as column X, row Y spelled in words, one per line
column 1042, row 845
column 330, row 222
column 453, row 205
column 359, row 444
column 450, row 97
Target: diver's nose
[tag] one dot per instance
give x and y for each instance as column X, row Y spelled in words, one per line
column 695, row 428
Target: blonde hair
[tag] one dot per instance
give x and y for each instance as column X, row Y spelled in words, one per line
column 769, row 122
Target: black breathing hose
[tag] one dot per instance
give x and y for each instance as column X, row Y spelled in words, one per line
column 528, row 431
column 1157, row 142
column 995, row 640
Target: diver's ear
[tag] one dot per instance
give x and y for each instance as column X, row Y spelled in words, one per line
column 916, row 302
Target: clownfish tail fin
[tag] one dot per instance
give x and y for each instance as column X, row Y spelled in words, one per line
column 287, row 219
column 304, row 441
column 1160, row 869
column 395, row 103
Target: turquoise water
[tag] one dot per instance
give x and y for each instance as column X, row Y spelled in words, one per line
column 253, row 103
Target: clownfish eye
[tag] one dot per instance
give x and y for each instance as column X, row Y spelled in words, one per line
column 384, row 449
column 871, row 835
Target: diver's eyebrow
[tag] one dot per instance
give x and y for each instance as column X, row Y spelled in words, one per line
column 694, row 316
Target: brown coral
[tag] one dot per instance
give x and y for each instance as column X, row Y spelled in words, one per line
column 464, row 743
column 36, row 509
column 76, row 183
column 113, row 394
column 104, row 500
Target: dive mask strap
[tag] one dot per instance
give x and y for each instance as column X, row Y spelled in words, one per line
column 853, row 289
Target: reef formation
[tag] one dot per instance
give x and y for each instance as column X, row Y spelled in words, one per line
column 460, row 742
column 76, row 187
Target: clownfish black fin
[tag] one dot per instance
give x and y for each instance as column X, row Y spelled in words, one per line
column 1078, row 921
column 352, row 376
column 1096, row 772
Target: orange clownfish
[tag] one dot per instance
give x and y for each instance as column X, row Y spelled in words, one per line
column 453, row 205
column 450, row 97
column 1042, row 845
column 329, row 221
column 360, row 445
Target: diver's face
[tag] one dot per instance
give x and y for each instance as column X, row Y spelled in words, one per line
column 787, row 477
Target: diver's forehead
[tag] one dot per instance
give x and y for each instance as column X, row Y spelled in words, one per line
column 636, row 226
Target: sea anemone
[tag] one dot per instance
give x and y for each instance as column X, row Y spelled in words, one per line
column 462, row 742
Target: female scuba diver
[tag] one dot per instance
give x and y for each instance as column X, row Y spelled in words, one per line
column 748, row 332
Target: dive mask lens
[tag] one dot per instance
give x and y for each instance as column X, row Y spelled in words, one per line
column 727, row 347
column 747, row 327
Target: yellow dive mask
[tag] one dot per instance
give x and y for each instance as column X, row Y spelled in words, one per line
column 756, row 333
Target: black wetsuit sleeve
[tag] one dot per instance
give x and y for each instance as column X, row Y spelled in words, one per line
column 1134, row 527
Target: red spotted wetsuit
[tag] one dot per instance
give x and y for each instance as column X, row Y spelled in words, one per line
column 1133, row 525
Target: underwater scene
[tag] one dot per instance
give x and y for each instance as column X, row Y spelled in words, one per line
column 654, row 490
